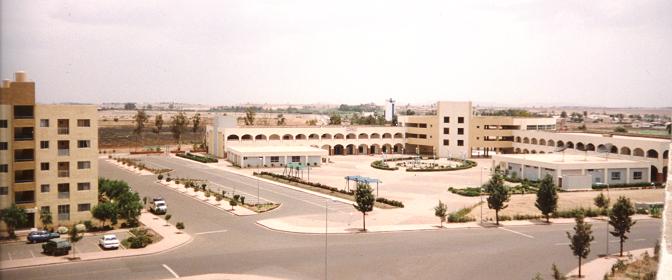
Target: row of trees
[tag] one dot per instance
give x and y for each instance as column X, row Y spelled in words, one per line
column 178, row 124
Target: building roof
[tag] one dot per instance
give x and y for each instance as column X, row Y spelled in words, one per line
column 569, row 160
column 277, row 150
column 643, row 137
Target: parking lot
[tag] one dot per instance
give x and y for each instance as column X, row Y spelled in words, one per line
column 24, row 250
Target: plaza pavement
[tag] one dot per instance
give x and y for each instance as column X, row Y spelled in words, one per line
column 171, row 238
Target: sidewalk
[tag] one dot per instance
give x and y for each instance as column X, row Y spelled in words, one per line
column 597, row 268
column 212, row 201
column 172, row 238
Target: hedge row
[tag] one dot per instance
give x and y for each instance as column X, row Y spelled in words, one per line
column 326, row 187
column 633, row 185
column 466, row 164
column 469, row 191
column 198, row 158
column 379, row 164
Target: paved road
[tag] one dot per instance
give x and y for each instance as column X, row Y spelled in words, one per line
column 228, row 244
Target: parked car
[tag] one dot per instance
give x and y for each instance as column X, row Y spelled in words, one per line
column 109, row 241
column 41, row 236
column 159, row 206
column 56, row 246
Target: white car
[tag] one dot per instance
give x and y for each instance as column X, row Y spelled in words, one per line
column 109, row 241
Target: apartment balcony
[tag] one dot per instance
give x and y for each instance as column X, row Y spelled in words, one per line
column 64, row 216
column 24, row 133
column 24, row 176
column 63, row 195
column 63, row 152
column 23, row 112
column 24, row 197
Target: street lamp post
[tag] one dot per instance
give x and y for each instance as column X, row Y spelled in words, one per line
column 607, row 220
column 261, row 159
column 480, row 194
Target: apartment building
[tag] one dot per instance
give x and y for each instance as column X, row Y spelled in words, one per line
column 48, row 155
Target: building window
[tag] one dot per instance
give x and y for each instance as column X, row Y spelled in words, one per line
column 44, row 144
column 83, row 207
column 446, row 142
column 4, row 168
column 24, row 197
column 3, row 124
column 83, row 165
column 446, row 130
column 83, row 144
column 615, row 175
column 4, row 190
column 83, row 186
column 44, row 188
column 460, row 131
column 84, row 123
column 44, row 166
column 637, row 175
column 4, row 146
column 44, row 123
column 446, row 119
column 275, row 159
column 63, row 212
column 460, row 119
column 460, row 142
column 64, row 190
column 296, row 159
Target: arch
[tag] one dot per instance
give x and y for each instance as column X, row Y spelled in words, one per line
column 601, row 147
column 339, row 136
column 666, row 154
column 625, row 151
column 652, row 154
column 526, row 140
column 638, row 152
column 561, row 143
column 614, row 150
column 351, row 136
column 274, row 137
column 363, row 149
column 517, row 151
column 387, row 148
column 525, row 151
column 665, row 172
column 518, row 139
column 328, row 148
column 580, row 146
column 314, row 136
column 590, row 147
column 542, row 152
column 247, row 137
column 542, row 142
column 326, row 136
column 570, row 145
column 363, row 136
column 533, row 141
column 260, row 137
column 300, row 137
column 339, row 150
column 654, row 173
column 374, row 149
column 287, row 137
column 398, row 135
column 232, row 137
column 533, row 152
column 350, row 149
column 387, row 135
column 398, row 148
column 551, row 143
column 375, row 136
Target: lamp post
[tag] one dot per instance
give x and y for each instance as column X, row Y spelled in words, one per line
column 607, row 225
column 480, row 194
column 261, row 159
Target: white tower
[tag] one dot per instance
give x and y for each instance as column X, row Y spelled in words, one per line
column 389, row 109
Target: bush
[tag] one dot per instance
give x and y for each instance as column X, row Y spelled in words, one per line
column 573, row 213
column 160, row 177
column 460, row 216
column 89, row 225
column 140, row 238
column 391, row 202
column 633, row 185
column 179, row 225
column 379, row 164
column 468, row 191
column 656, row 212
column 168, row 216
column 466, row 164
column 168, row 179
column 62, row 230
column 198, row 158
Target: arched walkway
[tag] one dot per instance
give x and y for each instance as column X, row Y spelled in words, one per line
column 517, row 139
column 274, row 137
column 666, row 154
column 350, row 149
column 652, row 154
column 374, row 149
column 551, row 143
column 339, row 136
column 287, row 137
column 375, row 136
column 363, row 149
column 351, row 136
column 326, row 136
column 398, row 136
column 561, row 143
column 398, row 148
column 580, row 146
column 517, row 151
column 654, row 174
column 590, row 147
column 339, row 150
column 638, row 152
column 533, row 141
column 542, row 142
column 525, row 151
column 570, row 145
column 300, row 137
column 232, row 137
column 626, row 151
column 387, row 148
column 328, row 148
column 260, row 137
column 314, row 137
column 614, row 150
column 387, row 135
column 363, row 136
column 526, row 140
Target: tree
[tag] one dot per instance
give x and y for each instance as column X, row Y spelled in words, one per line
column 178, row 125
column 563, row 114
column 233, row 202
column 140, row 119
column 498, row 194
column 104, row 211
column 76, row 234
column 129, row 106
column 45, row 218
column 547, row 197
column 601, row 201
column 364, row 201
column 620, row 129
column 557, row 275
column 620, row 220
column 441, row 212
column 196, row 121
column 580, row 240
column 158, row 122
column 281, row 119
column 249, row 116
column 335, row 119
column 129, row 207
column 311, row 122
column 13, row 216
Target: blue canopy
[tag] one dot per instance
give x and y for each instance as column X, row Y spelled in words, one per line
column 362, row 179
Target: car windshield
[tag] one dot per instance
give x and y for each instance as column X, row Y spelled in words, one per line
column 160, row 204
column 110, row 238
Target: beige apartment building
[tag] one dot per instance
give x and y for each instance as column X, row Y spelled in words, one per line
column 48, row 155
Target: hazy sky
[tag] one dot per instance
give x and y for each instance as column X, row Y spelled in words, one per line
column 610, row 53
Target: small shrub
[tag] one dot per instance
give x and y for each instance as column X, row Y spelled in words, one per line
column 207, row 194
column 160, row 177
column 89, row 225
column 62, row 230
column 179, row 225
column 168, row 179
column 168, row 216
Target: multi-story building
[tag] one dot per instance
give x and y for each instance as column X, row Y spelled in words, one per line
column 48, row 155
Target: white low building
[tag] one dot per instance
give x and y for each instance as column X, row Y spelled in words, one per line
column 572, row 172
column 275, row 156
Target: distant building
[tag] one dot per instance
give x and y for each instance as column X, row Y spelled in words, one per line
column 390, row 110
column 48, row 155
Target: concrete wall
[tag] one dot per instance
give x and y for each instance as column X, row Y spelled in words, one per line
column 531, row 173
column 576, row 182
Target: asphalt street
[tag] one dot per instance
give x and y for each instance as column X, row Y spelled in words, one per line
column 224, row 243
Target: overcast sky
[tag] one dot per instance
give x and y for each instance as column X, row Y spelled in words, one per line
column 604, row 53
